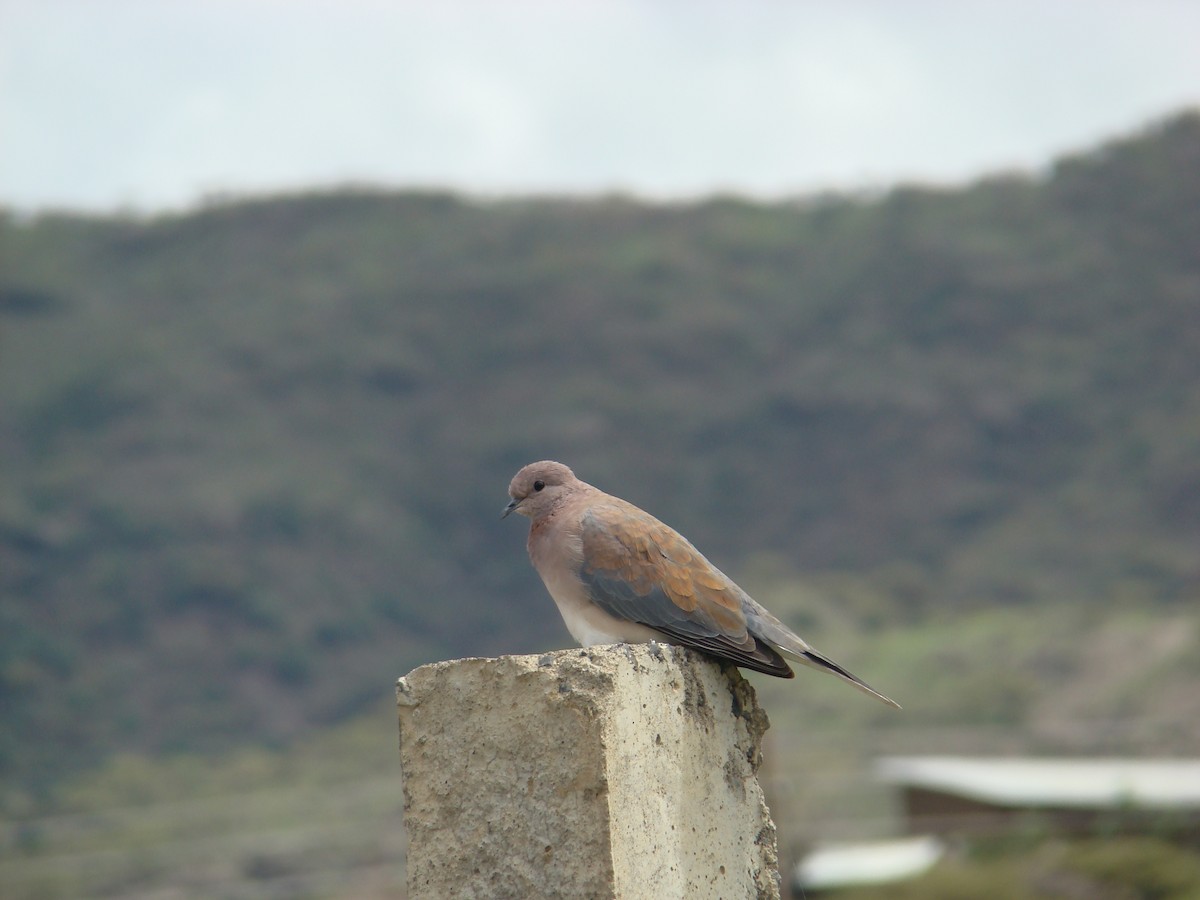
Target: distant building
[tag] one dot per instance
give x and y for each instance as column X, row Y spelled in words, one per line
column 835, row 866
column 965, row 795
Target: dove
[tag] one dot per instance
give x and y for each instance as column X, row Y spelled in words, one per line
column 619, row 575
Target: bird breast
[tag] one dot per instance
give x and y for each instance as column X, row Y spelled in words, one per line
column 557, row 554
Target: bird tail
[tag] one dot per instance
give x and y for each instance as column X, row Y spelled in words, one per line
column 817, row 661
column 769, row 629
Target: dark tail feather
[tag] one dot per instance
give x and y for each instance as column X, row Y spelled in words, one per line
column 817, row 661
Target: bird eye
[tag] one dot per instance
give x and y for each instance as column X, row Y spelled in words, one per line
column 538, row 485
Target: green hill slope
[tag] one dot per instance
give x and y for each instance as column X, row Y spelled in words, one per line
column 255, row 455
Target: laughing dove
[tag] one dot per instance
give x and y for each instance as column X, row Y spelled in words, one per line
column 617, row 574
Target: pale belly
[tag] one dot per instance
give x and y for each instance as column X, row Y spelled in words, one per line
column 589, row 624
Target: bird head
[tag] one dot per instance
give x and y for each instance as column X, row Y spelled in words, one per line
column 538, row 488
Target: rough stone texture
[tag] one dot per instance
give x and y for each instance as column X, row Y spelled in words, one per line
column 622, row 771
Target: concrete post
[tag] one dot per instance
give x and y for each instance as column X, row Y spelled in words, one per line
column 615, row 772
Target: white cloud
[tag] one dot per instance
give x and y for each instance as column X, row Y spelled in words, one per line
column 153, row 103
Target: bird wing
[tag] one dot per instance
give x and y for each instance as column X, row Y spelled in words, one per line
column 636, row 568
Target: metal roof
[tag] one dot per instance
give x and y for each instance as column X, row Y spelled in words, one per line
column 1083, row 783
column 874, row 862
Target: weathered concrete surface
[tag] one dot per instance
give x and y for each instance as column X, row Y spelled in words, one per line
column 614, row 772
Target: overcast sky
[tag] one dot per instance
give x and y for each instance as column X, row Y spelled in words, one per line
column 148, row 104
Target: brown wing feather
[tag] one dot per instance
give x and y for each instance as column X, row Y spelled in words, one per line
column 639, row 569
column 663, row 558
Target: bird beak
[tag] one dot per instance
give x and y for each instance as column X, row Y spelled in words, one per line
column 512, row 504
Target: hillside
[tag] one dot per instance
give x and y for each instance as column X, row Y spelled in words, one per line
column 255, row 455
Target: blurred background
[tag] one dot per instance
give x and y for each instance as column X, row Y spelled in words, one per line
column 893, row 309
